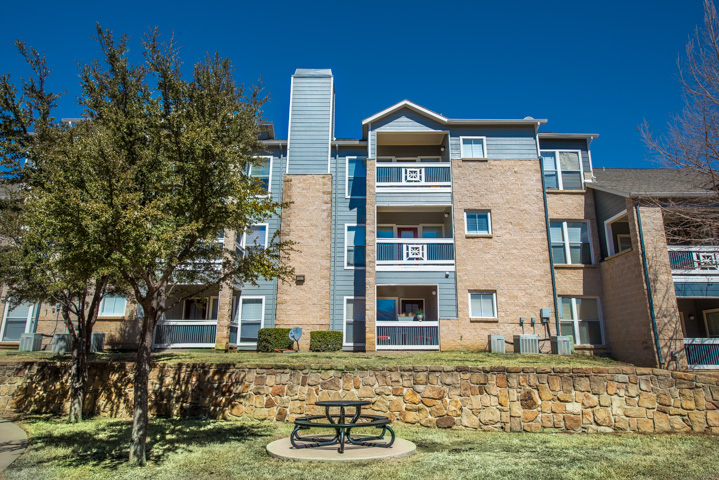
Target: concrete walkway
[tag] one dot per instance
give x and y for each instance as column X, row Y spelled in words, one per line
column 13, row 441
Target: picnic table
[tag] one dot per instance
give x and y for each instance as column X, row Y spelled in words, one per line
column 342, row 423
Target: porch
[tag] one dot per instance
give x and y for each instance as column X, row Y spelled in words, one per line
column 407, row 317
column 413, row 162
column 191, row 323
column 700, row 327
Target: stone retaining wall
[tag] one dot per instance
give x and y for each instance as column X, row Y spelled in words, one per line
column 487, row 398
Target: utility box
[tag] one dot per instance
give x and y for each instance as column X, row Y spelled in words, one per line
column 561, row 345
column 97, row 342
column 526, row 343
column 60, row 343
column 496, row 344
column 30, row 342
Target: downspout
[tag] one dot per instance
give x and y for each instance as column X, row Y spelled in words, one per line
column 549, row 235
column 650, row 297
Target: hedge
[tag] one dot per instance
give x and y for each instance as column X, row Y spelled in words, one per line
column 325, row 341
column 269, row 339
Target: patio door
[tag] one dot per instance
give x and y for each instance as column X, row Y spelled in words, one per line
column 711, row 321
column 407, row 232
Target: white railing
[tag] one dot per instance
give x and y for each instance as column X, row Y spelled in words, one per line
column 694, row 260
column 435, row 174
column 415, row 251
column 702, row 353
column 185, row 334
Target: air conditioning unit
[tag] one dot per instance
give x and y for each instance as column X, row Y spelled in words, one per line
column 30, row 342
column 496, row 344
column 60, row 343
column 526, row 343
column 561, row 345
column 97, row 343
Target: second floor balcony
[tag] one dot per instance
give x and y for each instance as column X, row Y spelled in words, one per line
column 694, row 260
column 414, row 174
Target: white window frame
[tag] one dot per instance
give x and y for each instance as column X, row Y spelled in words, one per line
column 624, row 235
column 461, row 146
column 565, row 241
column 466, row 223
column 482, row 292
column 267, row 233
column 576, row 320
column 345, row 320
column 100, row 315
column 609, row 235
column 347, row 176
column 28, row 321
column 396, row 310
column 269, row 178
column 347, row 227
column 239, row 317
column 394, row 230
column 560, row 181
column 399, row 304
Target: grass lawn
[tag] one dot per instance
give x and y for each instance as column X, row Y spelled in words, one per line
column 198, row 449
column 335, row 360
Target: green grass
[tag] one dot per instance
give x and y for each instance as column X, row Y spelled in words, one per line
column 336, row 360
column 199, row 449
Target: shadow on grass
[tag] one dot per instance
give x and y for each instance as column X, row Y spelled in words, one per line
column 105, row 444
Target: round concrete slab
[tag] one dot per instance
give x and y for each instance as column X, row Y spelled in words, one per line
column 353, row 453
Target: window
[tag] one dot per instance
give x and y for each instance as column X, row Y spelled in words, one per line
column 478, row 222
column 255, row 237
column 624, row 242
column 356, row 177
column 410, row 306
column 252, row 318
column 579, row 318
column 482, row 305
column 570, row 243
column 354, row 330
column 354, row 246
column 473, row 147
column 385, row 231
column 16, row 321
column 200, row 309
column 562, row 170
column 112, row 306
column 261, row 171
column 386, row 309
column 432, row 231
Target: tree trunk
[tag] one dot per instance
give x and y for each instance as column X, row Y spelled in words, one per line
column 78, row 376
column 142, row 387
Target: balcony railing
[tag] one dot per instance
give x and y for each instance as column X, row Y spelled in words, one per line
column 185, row 333
column 407, row 336
column 694, row 260
column 414, row 175
column 702, row 353
column 415, row 251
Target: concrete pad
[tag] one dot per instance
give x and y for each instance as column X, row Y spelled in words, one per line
column 13, row 442
column 284, row 450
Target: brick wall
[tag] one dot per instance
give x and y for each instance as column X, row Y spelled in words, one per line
column 513, row 261
column 532, row 399
column 308, row 222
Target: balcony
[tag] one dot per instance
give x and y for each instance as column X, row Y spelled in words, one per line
column 702, row 353
column 185, row 333
column 413, row 176
column 415, row 252
column 404, row 336
column 694, row 260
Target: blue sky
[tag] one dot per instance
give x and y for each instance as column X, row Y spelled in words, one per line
column 588, row 67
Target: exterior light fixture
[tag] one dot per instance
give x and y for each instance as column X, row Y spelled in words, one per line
column 300, row 279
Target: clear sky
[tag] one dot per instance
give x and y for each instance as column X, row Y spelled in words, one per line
column 588, row 67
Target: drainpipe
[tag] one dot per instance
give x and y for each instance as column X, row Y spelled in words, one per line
column 650, row 297
column 549, row 235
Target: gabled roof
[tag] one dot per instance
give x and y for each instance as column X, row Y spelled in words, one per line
column 441, row 119
column 658, row 182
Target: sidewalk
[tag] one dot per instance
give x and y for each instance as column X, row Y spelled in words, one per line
column 13, row 441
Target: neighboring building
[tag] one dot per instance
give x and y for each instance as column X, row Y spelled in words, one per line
column 474, row 222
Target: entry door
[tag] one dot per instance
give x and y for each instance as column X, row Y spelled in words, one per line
column 711, row 320
column 407, row 232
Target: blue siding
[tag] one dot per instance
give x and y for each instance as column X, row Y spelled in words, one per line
column 310, row 129
column 403, row 120
column 697, row 289
column 606, row 205
column 344, row 282
column 446, row 292
column 268, row 288
column 503, row 143
column 569, row 144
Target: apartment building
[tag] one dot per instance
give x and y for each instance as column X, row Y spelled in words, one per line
column 433, row 233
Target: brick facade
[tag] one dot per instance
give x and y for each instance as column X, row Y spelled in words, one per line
column 308, row 222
